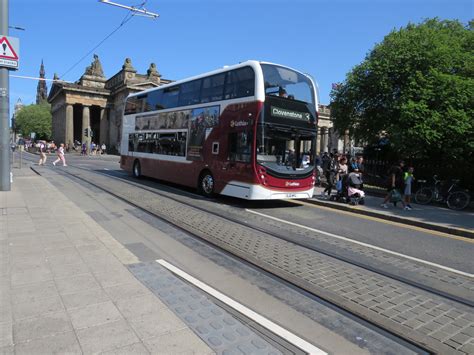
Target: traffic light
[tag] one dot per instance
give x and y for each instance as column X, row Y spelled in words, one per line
column 86, row 132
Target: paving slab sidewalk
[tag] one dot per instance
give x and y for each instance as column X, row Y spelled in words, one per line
column 429, row 216
column 65, row 286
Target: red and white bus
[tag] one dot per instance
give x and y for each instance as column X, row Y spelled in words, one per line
column 247, row 130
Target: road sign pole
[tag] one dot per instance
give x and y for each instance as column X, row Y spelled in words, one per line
column 4, row 109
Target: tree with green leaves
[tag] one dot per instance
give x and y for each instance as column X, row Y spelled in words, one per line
column 416, row 88
column 35, row 118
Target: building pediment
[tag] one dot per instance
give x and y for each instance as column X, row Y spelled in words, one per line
column 97, row 100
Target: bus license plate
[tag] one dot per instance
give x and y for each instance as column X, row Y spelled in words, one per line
column 291, row 195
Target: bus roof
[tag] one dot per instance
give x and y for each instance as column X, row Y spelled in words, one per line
column 253, row 63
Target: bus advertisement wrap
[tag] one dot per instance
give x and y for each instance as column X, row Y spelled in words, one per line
column 247, row 131
column 202, row 122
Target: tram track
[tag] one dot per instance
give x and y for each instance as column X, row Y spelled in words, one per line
column 448, row 292
column 421, row 340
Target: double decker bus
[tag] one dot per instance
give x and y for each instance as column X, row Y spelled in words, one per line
column 247, row 130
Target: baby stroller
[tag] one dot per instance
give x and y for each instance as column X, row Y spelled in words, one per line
column 355, row 189
column 350, row 189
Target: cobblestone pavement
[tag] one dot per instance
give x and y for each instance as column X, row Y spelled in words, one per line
column 439, row 279
column 429, row 276
column 438, row 324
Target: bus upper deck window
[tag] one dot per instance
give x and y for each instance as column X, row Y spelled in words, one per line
column 240, row 83
column 170, row 97
column 212, row 88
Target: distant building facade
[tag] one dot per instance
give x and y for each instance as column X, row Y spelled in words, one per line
column 97, row 103
column 329, row 140
column 324, row 129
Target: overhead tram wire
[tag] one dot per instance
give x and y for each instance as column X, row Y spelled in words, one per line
column 127, row 18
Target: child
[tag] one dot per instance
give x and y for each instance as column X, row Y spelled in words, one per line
column 408, row 179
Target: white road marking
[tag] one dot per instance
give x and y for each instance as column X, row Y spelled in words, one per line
column 365, row 245
column 265, row 322
column 106, row 169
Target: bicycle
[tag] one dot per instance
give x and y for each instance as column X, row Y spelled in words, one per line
column 455, row 198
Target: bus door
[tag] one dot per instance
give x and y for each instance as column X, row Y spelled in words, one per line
column 238, row 166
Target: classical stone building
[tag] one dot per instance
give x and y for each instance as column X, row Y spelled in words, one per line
column 329, row 140
column 97, row 103
column 324, row 129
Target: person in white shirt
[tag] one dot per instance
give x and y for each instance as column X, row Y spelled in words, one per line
column 60, row 153
column 43, row 157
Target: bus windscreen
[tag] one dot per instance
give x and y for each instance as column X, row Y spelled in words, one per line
column 284, row 82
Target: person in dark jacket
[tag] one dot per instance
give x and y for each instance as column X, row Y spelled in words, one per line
column 331, row 171
column 395, row 182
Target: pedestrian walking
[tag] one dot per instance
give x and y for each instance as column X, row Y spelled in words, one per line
column 331, row 174
column 60, row 153
column 409, row 179
column 43, row 157
column 103, row 148
column 84, row 149
column 395, row 185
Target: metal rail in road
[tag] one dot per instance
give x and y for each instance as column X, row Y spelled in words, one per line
column 453, row 286
column 428, row 318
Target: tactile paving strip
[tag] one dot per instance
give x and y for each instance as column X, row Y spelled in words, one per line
column 220, row 330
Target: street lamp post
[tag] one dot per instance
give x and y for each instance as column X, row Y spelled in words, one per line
column 4, row 109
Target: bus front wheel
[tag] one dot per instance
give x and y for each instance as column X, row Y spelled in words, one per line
column 137, row 170
column 206, row 184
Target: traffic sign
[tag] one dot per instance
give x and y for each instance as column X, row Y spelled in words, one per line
column 9, row 50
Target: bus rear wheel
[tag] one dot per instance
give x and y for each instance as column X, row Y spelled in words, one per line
column 206, row 184
column 137, row 170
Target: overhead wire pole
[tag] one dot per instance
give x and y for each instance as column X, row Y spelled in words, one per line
column 5, row 184
column 137, row 10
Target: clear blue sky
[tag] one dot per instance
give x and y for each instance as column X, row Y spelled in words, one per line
column 323, row 38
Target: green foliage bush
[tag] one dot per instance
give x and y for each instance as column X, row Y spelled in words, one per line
column 35, row 118
column 416, row 87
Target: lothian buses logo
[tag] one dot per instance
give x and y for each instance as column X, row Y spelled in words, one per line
column 291, row 183
column 238, row 123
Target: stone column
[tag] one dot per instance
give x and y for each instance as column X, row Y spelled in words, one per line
column 325, row 139
column 323, row 145
column 69, row 139
column 318, row 141
column 103, row 127
column 346, row 142
column 86, row 123
column 330, row 139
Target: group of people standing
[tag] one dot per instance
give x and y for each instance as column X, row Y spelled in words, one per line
column 335, row 166
column 399, row 182
column 95, row 149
